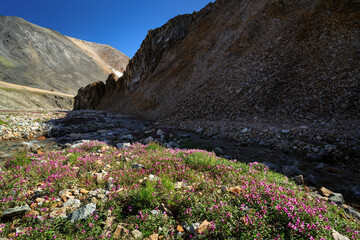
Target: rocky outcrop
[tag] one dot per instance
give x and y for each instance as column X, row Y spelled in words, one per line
column 39, row 57
column 266, row 61
column 90, row 96
column 110, row 84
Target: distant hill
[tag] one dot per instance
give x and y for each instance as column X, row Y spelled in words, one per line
column 39, row 57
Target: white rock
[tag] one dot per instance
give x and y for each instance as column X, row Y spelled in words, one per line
column 244, row 130
column 160, row 132
column 123, row 145
column 338, row 236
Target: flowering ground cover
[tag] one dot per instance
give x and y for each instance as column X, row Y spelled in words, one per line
column 148, row 191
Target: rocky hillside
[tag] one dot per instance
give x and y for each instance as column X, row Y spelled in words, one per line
column 18, row 97
column 272, row 61
column 42, row 58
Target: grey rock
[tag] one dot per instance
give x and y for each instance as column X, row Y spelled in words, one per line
column 155, row 212
column 320, row 166
column 178, row 185
column 163, row 208
column 160, row 132
column 128, row 137
column 353, row 213
column 148, row 140
column 184, row 135
column 17, row 211
column 153, row 177
column 192, row 228
column 272, row 166
column 245, row 209
column 123, row 145
column 82, row 213
column 314, row 156
column 336, row 198
column 338, row 236
column 200, row 130
column 19, row 230
column 330, row 147
column 218, row 150
column 285, row 131
column 96, row 193
column 136, row 234
column 315, row 195
column 324, row 152
column 244, row 130
column 178, row 234
column 138, row 166
column 223, row 188
column 291, row 170
column 299, row 179
column 72, row 203
column 63, row 192
column 75, row 135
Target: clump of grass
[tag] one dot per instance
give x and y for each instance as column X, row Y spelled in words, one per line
column 258, row 203
column 19, row 160
column 154, row 146
column 3, row 122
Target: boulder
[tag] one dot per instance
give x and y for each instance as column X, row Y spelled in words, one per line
column 16, row 211
column 338, row 236
column 123, row 145
column 336, row 198
column 82, row 213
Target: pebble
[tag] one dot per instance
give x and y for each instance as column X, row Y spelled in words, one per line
column 137, row 234
column 72, row 203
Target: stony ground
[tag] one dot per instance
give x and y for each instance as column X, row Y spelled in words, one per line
column 43, row 131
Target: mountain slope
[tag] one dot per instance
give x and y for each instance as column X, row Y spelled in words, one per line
column 18, row 97
column 106, row 56
column 270, row 60
column 42, row 58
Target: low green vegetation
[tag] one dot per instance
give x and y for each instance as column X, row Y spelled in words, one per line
column 161, row 191
column 6, row 62
column 3, row 122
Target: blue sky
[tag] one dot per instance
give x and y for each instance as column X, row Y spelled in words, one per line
column 123, row 24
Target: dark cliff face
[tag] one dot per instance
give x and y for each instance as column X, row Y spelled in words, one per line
column 90, row 96
column 270, row 59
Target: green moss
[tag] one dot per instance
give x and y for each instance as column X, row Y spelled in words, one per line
column 6, row 62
